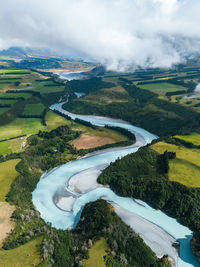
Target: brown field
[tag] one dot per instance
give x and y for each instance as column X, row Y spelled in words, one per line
column 86, row 141
column 6, row 225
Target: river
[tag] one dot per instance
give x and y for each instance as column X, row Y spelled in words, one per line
column 61, row 195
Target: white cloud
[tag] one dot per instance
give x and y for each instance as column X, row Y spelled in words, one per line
column 197, row 89
column 119, row 33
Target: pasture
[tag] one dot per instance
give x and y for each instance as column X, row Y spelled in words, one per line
column 96, row 254
column 25, row 255
column 7, row 174
column 34, row 109
column 193, row 138
column 161, row 88
column 185, row 168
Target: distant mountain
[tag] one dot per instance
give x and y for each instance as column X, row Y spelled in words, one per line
column 26, row 52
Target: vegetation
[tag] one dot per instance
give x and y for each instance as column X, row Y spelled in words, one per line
column 193, row 138
column 34, row 110
column 185, row 168
column 126, row 248
column 7, row 175
column 96, row 254
column 149, row 112
column 25, row 255
column 88, row 85
column 161, row 88
column 141, row 175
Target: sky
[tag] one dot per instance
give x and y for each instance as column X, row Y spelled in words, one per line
column 121, row 34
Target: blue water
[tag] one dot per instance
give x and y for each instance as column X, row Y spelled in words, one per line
column 54, row 182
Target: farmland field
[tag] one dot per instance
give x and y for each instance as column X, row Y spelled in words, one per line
column 7, row 175
column 193, row 138
column 161, row 88
column 185, row 168
column 96, row 254
column 25, row 255
column 21, row 126
column 34, row 109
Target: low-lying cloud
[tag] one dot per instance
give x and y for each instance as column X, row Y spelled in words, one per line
column 122, row 34
column 197, row 89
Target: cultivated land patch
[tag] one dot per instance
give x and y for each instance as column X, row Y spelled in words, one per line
column 185, row 168
column 193, row 138
column 87, row 141
column 26, row 255
column 96, row 254
column 21, row 126
column 34, row 109
column 54, row 120
column 7, row 174
column 161, row 88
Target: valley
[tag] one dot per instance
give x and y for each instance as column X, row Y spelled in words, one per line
column 151, row 99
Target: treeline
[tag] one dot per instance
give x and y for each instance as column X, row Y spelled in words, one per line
column 83, row 152
column 88, row 85
column 180, row 92
column 34, row 93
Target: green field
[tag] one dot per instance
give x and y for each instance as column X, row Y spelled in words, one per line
column 16, row 95
column 4, row 148
column 34, row 109
column 40, row 87
column 161, row 88
column 25, row 255
column 7, row 102
column 185, row 168
column 21, row 126
column 7, row 175
column 96, row 254
column 53, row 120
column 16, row 71
column 193, row 138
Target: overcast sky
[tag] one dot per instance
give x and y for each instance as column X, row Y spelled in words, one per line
column 117, row 33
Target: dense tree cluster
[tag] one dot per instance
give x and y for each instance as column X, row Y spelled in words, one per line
column 88, row 85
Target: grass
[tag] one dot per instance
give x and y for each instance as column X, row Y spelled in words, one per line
column 53, row 120
column 34, row 109
column 193, row 138
column 40, row 87
column 4, row 148
column 185, row 168
column 16, row 95
column 7, row 174
column 21, row 126
column 108, row 95
column 25, row 255
column 101, row 132
column 96, row 254
column 161, row 88
column 17, row 71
